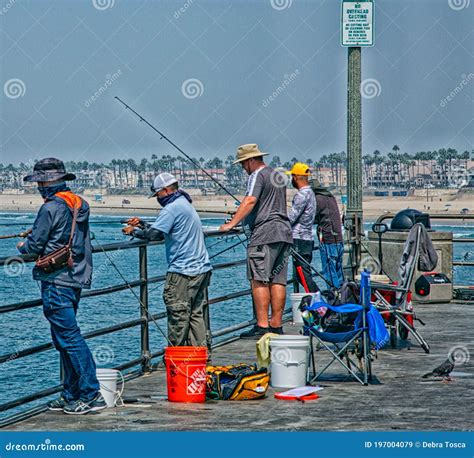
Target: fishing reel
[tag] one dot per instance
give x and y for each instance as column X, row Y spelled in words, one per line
column 312, row 316
column 135, row 222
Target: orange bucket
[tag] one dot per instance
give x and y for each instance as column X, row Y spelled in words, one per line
column 186, row 373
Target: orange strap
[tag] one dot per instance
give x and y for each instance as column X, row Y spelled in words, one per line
column 74, row 202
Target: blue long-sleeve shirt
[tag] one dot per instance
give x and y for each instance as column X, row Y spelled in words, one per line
column 302, row 213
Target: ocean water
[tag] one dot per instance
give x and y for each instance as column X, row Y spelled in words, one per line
column 25, row 328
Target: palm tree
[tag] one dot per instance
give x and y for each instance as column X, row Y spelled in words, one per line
column 367, row 161
column 113, row 163
column 275, row 162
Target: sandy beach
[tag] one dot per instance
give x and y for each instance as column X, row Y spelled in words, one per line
column 439, row 202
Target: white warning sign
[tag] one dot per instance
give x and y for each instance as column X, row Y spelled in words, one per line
column 357, row 28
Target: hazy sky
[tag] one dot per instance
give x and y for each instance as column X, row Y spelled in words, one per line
column 55, row 55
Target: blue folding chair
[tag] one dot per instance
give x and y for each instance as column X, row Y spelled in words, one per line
column 366, row 332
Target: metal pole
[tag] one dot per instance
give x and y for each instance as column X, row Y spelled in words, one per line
column 354, row 155
column 144, row 334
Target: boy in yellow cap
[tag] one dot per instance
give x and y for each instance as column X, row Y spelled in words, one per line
column 301, row 216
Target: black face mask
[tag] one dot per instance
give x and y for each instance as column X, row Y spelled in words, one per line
column 49, row 191
column 163, row 201
column 293, row 183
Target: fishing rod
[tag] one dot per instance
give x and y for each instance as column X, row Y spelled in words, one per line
column 199, row 166
column 318, row 274
column 164, row 137
column 23, row 235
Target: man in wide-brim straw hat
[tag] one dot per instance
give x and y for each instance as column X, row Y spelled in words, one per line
column 61, row 286
column 263, row 209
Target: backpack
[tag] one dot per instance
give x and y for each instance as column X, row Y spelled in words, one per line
column 341, row 322
column 240, row 382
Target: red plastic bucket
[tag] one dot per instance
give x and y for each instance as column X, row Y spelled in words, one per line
column 186, row 373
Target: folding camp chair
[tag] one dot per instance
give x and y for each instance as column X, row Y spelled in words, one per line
column 400, row 311
column 338, row 344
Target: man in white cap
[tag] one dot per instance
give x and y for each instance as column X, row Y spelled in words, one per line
column 189, row 269
column 264, row 210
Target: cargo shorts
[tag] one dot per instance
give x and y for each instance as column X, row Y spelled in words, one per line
column 268, row 263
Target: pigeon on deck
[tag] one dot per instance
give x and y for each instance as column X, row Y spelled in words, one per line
column 443, row 370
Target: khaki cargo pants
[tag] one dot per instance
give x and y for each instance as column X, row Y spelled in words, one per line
column 188, row 313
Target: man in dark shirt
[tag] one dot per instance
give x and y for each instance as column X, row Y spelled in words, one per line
column 264, row 210
column 331, row 243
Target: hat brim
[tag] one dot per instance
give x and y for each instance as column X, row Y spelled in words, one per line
column 158, row 190
column 250, row 156
column 49, row 177
column 289, row 172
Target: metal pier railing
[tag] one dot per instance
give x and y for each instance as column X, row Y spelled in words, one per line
column 138, row 365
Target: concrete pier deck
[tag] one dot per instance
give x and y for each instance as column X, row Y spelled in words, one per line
column 398, row 400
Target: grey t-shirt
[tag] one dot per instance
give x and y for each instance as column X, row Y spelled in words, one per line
column 268, row 221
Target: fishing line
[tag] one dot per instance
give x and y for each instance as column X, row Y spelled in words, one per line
column 159, row 285
column 130, row 288
column 221, row 240
column 228, row 248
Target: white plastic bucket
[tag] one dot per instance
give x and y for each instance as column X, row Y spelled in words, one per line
column 295, row 303
column 108, row 380
column 289, row 361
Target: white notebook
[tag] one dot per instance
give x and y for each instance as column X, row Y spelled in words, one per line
column 302, row 391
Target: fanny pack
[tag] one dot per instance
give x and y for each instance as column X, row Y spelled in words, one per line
column 241, row 382
column 61, row 257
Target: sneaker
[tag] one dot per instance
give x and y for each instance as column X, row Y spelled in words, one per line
column 278, row 330
column 58, row 404
column 255, row 333
column 81, row 408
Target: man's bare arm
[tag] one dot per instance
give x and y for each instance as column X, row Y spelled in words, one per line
column 245, row 208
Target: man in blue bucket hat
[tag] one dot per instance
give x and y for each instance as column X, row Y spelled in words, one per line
column 62, row 219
